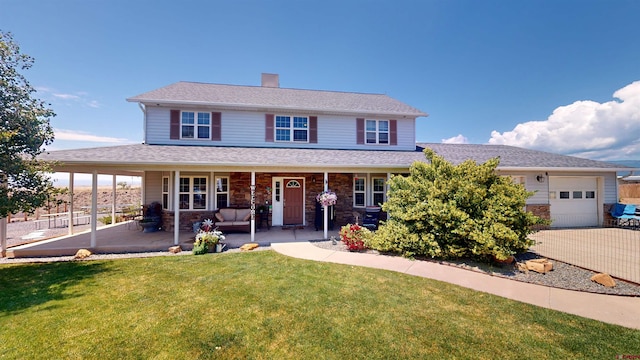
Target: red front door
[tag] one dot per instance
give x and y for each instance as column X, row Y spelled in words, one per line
column 293, row 196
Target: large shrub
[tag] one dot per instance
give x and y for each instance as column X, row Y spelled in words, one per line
column 443, row 210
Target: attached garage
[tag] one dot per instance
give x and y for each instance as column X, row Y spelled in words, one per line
column 574, row 201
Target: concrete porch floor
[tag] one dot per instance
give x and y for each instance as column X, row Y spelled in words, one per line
column 126, row 238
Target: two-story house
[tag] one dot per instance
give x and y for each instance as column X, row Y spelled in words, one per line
column 211, row 146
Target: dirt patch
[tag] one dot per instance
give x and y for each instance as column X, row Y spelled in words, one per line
column 125, row 198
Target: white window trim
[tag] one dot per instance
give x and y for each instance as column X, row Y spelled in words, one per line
column 191, row 193
column 377, row 132
column 364, row 180
column 195, row 125
column 167, row 193
column 291, row 128
column 383, row 192
column 216, row 192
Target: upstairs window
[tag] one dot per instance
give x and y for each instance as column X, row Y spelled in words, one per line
column 195, row 125
column 377, row 132
column 292, row 128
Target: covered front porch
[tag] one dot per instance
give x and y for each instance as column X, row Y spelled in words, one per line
column 127, row 238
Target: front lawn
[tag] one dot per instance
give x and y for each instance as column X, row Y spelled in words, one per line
column 263, row 305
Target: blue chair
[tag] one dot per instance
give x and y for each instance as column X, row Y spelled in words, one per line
column 625, row 215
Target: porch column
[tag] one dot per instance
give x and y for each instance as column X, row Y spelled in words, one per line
column 94, row 208
column 70, row 203
column 326, row 208
column 142, row 199
column 387, row 189
column 176, row 208
column 253, row 206
column 113, row 206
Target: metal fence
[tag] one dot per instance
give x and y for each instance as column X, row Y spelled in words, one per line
column 613, row 249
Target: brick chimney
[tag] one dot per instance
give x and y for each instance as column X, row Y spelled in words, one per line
column 270, row 80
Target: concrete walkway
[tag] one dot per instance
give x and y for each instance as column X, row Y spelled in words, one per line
column 618, row 310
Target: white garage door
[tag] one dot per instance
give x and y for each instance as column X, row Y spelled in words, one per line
column 573, row 201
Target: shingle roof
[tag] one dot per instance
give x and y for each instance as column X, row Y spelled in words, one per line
column 258, row 97
column 141, row 155
column 514, row 157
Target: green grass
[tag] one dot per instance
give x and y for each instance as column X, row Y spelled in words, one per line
column 263, row 305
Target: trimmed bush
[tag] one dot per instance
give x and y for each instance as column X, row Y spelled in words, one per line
column 444, row 211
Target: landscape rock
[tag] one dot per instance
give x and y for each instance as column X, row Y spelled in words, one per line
column 541, row 266
column 82, row 254
column 603, row 279
column 175, row 249
column 248, row 246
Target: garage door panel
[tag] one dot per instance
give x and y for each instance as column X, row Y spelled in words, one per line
column 573, row 201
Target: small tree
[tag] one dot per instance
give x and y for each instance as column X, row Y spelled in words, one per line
column 446, row 211
column 24, row 130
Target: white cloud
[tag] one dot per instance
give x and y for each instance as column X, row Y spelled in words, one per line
column 604, row 131
column 460, row 139
column 72, row 135
column 66, row 96
column 77, row 97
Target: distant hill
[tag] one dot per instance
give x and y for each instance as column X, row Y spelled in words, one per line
column 629, row 163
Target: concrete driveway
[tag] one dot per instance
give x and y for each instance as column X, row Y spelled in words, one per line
column 615, row 251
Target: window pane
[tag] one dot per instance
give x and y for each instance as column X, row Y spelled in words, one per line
column 165, row 201
column 371, row 138
column 590, row 194
column 187, row 132
column 300, row 122
column 359, row 199
column 358, row 185
column 203, row 132
column 283, row 135
column 199, row 201
column 187, row 118
column 383, row 125
column 203, row 118
column 221, row 200
column 200, row 185
column 299, row 135
column 371, row 125
column 378, row 184
column 283, row 121
column 384, row 138
column 165, row 184
column 577, row 194
column 378, row 198
column 184, row 201
column 564, row 194
column 221, row 184
column 184, row 184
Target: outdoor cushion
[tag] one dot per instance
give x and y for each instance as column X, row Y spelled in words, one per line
column 219, row 217
column 240, row 223
column 228, row 214
column 243, row 214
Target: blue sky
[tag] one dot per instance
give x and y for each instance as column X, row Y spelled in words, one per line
column 536, row 74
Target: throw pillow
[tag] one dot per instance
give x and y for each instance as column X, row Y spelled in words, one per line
column 219, row 217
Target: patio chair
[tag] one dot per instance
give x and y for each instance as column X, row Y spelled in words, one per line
column 625, row 215
column 152, row 220
column 371, row 217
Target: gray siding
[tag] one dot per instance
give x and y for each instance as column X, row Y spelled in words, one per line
column 245, row 128
column 541, row 189
column 153, row 187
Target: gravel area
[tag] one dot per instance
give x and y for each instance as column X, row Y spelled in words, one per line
column 563, row 275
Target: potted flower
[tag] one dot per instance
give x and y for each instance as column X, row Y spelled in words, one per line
column 208, row 239
column 355, row 236
column 327, row 198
